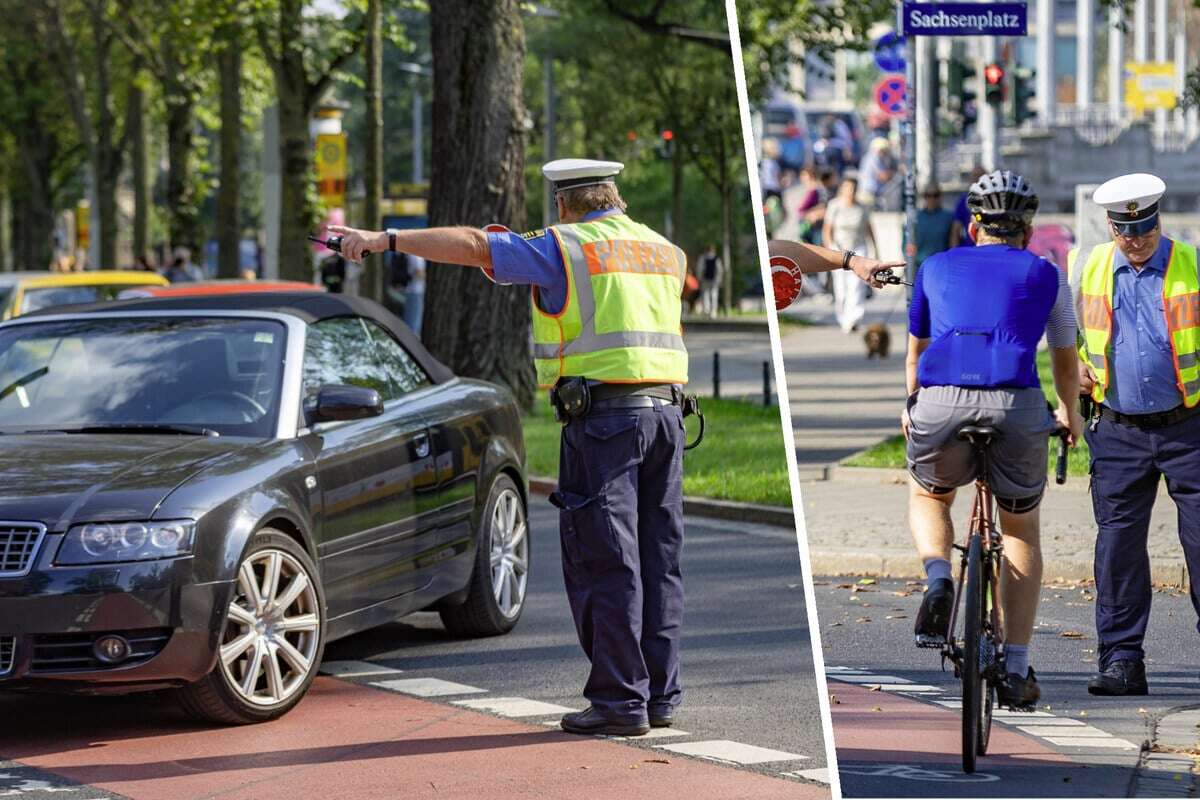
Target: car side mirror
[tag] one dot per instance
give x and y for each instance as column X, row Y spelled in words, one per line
column 338, row 403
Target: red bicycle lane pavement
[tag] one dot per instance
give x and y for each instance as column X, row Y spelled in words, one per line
column 893, row 746
column 348, row 740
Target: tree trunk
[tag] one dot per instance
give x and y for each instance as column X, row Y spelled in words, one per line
column 372, row 279
column 727, row 232
column 295, row 174
column 229, row 64
column 677, row 164
column 141, row 172
column 479, row 329
column 182, row 214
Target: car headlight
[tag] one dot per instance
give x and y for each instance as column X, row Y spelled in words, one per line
column 106, row 542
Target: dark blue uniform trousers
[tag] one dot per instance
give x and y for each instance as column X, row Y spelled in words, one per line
column 1126, row 465
column 621, row 523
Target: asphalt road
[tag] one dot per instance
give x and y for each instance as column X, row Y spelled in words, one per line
column 1076, row 745
column 747, row 672
column 747, row 665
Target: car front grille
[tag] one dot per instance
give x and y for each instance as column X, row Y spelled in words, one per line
column 72, row 652
column 18, row 544
column 8, row 653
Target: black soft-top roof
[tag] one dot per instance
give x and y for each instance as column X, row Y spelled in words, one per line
column 308, row 306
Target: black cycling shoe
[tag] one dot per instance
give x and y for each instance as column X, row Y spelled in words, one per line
column 933, row 618
column 1017, row 693
column 1120, row 678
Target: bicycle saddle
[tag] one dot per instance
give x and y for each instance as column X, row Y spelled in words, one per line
column 977, row 434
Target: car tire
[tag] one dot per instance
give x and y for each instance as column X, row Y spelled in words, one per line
column 287, row 624
column 496, row 592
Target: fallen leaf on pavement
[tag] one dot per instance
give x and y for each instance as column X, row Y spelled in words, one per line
column 835, row 625
column 656, row 761
column 1071, row 635
column 863, row 619
column 845, row 586
column 897, row 616
column 866, row 582
column 875, row 688
column 833, row 698
column 902, row 594
column 877, row 708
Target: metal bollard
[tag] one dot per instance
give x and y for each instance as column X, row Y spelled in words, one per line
column 716, row 374
column 766, row 384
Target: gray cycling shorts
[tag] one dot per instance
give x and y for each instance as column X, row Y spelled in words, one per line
column 940, row 461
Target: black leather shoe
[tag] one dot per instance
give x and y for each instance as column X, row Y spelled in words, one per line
column 662, row 717
column 933, row 618
column 1017, row 693
column 591, row 722
column 1120, row 678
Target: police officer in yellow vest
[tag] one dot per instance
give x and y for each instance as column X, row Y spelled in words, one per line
column 1138, row 302
column 608, row 343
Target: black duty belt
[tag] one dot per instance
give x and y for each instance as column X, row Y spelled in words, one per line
column 1160, row 419
column 607, row 393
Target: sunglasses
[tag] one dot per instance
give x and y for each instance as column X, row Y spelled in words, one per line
column 1135, row 228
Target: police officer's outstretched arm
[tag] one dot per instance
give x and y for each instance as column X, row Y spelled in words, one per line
column 814, row 258
column 451, row 245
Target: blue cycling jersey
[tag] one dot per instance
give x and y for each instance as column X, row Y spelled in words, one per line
column 985, row 309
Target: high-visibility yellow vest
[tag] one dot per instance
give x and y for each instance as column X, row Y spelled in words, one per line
column 621, row 319
column 1181, row 308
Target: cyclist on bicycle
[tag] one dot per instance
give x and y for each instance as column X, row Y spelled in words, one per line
column 975, row 321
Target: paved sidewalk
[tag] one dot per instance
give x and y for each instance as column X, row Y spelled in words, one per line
column 842, row 402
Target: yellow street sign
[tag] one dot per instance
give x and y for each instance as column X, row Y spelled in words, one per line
column 1150, row 85
column 331, row 169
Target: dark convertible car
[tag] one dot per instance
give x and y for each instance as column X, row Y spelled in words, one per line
column 199, row 493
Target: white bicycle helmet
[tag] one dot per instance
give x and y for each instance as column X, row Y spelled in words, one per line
column 1002, row 202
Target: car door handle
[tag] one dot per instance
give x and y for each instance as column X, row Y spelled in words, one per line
column 421, row 444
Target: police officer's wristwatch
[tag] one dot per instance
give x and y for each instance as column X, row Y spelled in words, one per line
column 391, row 232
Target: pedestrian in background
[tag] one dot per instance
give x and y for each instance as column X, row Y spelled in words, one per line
column 182, row 270
column 848, row 228
column 876, row 171
column 1138, row 300
column 414, row 294
column 936, row 230
column 962, row 215
column 711, row 272
column 769, row 178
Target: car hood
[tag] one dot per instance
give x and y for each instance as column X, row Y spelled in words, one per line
column 60, row 479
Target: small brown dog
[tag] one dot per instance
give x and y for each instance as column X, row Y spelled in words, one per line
column 878, row 340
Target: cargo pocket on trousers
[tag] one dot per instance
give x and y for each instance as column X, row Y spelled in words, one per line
column 588, row 540
column 611, row 444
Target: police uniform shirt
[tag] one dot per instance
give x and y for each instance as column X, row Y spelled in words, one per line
column 535, row 259
column 1143, row 380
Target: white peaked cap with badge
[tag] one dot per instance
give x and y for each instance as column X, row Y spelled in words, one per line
column 568, row 173
column 1130, row 194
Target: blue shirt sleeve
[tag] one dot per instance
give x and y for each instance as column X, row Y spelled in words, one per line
column 531, row 259
column 918, row 310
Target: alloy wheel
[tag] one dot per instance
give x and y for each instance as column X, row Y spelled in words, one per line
column 273, row 629
column 509, row 554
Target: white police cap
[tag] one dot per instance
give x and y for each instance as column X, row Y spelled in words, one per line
column 1131, row 198
column 568, row 173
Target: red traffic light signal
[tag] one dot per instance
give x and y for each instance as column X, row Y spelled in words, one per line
column 668, row 135
column 993, row 76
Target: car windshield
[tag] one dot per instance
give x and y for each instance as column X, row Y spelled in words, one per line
column 176, row 375
column 37, row 298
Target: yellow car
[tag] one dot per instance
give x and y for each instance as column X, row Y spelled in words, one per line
column 22, row 292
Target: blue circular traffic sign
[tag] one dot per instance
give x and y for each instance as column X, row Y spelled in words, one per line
column 889, row 53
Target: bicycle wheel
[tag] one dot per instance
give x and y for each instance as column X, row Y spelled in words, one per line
column 973, row 685
column 987, row 659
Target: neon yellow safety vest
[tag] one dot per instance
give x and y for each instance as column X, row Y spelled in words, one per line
column 620, row 322
column 1181, row 308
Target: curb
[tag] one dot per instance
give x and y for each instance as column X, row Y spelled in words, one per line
column 1168, row 760
column 905, row 564
column 725, row 324
column 777, row 516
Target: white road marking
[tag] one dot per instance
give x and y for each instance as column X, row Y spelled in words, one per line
column 1108, row 742
column 820, row 774
column 1063, row 731
column 870, row 679
column 354, row 669
column 1024, row 719
column 731, row 752
column 427, row 687
column 842, row 669
column 923, row 688
column 514, row 706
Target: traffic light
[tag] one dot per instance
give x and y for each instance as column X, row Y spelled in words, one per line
column 993, row 78
column 666, row 144
column 960, row 96
column 1023, row 94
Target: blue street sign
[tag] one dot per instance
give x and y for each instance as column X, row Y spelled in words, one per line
column 889, row 53
column 965, row 19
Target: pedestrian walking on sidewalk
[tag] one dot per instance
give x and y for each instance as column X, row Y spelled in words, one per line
column 1138, row 298
column 607, row 343
column 848, row 228
column 711, row 272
